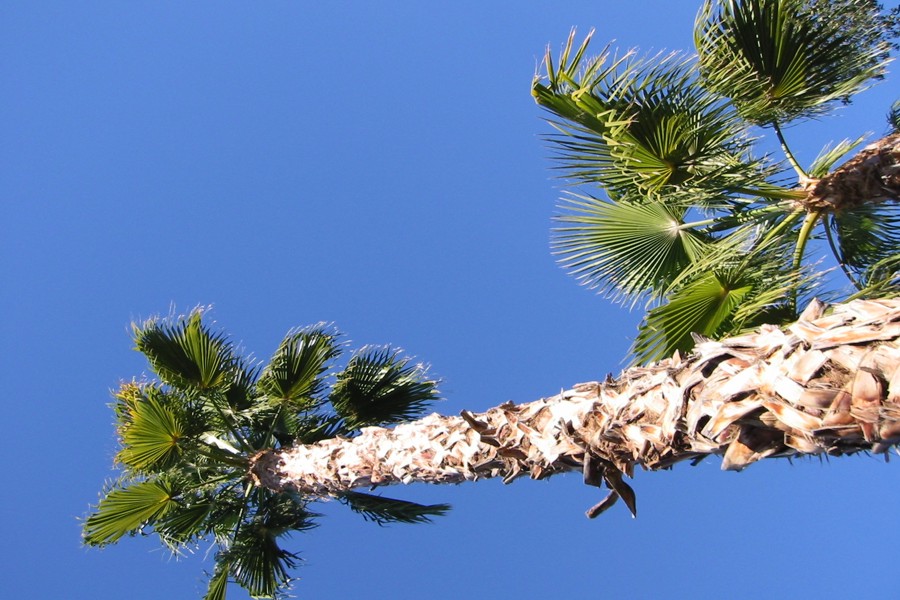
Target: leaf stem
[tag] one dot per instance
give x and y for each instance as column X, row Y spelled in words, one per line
column 837, row 255
column 787, row 152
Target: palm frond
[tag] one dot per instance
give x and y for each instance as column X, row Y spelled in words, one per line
column 641, row 124
column 867, row 234
column 882, row 279
column 829, row 155
column 384, row 511
column 151, row 435
column 185, row 521
column 780, row 60
column 698, row 308
column 257, row 563
column 185, row 353
column 295, row 372
column 218, row 583
column 893, row 117
column 125, row 510
column 626, row 250
column 379, row 386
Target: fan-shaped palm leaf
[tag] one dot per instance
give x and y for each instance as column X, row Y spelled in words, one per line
column 780, row 60
column 150, row 440
column 379, row 386
column 185, row 353
column 295, row 372
column 625, row 249
column 126, row 509
column 699, row 308
column 641, row 124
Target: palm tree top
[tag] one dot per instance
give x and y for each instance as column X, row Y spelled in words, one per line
column 675, row 207
column 188, row 438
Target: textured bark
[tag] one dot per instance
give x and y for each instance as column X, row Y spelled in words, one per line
column 870, row 177
column 826, row 384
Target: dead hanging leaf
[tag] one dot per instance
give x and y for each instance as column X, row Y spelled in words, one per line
column 613, row 479
column 602, row 506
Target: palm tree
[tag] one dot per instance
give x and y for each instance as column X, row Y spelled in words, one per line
column 713, row 238
column 189, row 439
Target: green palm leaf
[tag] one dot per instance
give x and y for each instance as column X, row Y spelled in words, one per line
column 383, row 511
column 185, row 353
column 125, row 510
column 258, row 563
column 378, row 386
column 184, row 522
column 641, row 124
column 295, row 372
column 218, row 583
column 893, row 117
column 699, row 308
column 150, row 439
column 829, row 156
column 781, row 60
column 625, row 249
column 867, row 235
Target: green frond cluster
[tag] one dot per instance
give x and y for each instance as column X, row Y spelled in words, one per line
column 712, row 237
column 782, row 60
column 186, row 441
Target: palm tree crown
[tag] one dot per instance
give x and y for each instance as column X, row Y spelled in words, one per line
column 712, row 236
column 187, row 441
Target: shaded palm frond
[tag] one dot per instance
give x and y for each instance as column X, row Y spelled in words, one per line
column 257, row 563
column 780, row 60
column 868, row 235
column 384, row 511
column 125, row 510
column 185, row 353
column 893, row 117
column 379, row 386
column 295, row 372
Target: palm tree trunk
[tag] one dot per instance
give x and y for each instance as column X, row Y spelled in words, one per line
column 826, row 384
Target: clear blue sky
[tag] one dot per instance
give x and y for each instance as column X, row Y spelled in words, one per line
column 378, row 165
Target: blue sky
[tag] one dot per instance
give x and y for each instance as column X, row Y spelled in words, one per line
column 377, row 165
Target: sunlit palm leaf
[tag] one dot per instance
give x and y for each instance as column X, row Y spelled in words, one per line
column 295, row 372
column 383, row 511
column 829, row 156
column 626, row 250
column 185, row 353
column 150, row 439
column 641, row 124
column 379, row 386
column 218, row 583
column 780, row 60
column 700, row 307
column 125, row 510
